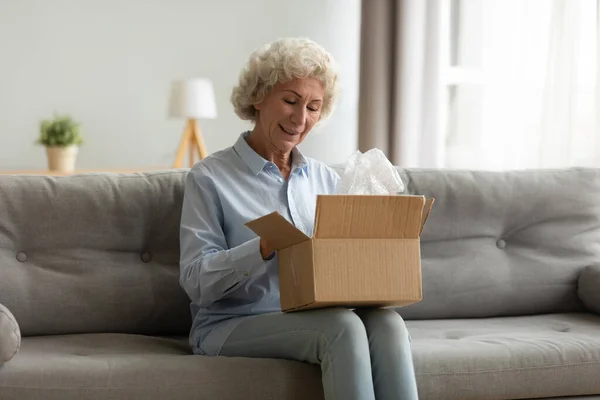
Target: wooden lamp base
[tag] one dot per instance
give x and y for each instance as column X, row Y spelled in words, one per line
column 192, row 137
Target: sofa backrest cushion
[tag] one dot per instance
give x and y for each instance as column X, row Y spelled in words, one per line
column 93, row 253
column 505, row 243
column 100, row 252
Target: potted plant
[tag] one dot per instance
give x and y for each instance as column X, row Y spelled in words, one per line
column 61, row 136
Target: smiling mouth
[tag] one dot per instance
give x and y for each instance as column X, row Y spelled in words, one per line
column 289, row 132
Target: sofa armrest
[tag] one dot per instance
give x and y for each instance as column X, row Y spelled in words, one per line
column 589, row 287
column 10, row 335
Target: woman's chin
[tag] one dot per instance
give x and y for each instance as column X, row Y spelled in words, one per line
column 286, row 141
column 286, row 147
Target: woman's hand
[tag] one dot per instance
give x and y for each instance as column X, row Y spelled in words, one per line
column 265, row 249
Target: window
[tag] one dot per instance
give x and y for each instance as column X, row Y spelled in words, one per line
column 520, row 79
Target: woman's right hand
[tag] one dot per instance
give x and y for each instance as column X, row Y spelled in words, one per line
column 265, row 249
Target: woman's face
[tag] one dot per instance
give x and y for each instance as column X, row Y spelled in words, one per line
column 289, row 112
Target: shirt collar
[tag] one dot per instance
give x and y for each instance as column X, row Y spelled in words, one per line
column 256, row 163
column 299, row 161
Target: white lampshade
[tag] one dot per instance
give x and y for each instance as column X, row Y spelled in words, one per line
column 192, row 98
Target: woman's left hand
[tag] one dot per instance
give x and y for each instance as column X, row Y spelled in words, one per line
column 265, row 249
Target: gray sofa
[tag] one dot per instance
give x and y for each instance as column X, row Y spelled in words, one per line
column 89, row 269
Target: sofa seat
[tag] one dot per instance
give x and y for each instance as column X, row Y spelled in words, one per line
column 539, row 356
column 131, row 367
column 529, row 357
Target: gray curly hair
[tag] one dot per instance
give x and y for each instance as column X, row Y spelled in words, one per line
column 279, row 62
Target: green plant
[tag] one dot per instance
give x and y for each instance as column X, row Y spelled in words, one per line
column 60, row 131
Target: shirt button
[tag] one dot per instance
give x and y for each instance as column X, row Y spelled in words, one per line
column 22, row 257
column 501, row 244
column 146, row 257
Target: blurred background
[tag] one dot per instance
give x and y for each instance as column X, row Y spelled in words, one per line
column 479, row 84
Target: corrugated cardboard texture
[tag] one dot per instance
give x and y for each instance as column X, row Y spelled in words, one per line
column 278, row 231
column 343, row 216
column 296, row 275
column 354, row 270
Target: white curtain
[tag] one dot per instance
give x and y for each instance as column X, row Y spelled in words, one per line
column 418, row 134
column 538, row 100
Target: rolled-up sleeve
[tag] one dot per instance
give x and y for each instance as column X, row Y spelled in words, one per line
column 209, row 270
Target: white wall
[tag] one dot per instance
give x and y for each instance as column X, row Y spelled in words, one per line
column 109, row 64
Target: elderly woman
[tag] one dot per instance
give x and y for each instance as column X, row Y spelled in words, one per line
column 231, row 276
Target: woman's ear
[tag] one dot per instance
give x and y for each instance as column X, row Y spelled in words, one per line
column 257, row 106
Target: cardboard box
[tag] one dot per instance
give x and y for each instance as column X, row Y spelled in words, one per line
column 365, row 252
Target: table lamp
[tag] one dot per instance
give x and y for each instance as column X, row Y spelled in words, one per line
column 192, row 99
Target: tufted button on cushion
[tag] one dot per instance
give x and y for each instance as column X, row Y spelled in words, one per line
column 146, row 257
column 22, row 257
column 501, row 243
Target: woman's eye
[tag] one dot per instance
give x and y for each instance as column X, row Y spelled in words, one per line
column 313, row 109
column 290, row 102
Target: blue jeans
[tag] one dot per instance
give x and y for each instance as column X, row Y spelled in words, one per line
column 364, row 354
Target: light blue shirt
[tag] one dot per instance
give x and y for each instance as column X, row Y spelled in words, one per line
column 222, row 270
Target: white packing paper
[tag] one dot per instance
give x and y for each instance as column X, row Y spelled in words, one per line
column 370, row 173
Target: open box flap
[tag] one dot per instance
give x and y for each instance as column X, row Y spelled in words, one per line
column 426, row 210
column 277, row 230
column 366, row 217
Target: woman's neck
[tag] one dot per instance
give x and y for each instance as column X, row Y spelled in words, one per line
column 266, row 150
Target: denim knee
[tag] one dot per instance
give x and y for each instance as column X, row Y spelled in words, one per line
column 383, row 324
column 344, row 323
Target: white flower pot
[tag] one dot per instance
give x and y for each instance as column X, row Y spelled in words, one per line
column 62, row 159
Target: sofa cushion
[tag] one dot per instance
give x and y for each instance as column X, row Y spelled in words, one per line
column 505, row 243
column 589, row 287
column 10, row 336
column 93, row 253
column 507, row 358
column 131, row 367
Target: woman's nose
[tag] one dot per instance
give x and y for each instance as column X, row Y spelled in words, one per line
column 299, row 115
